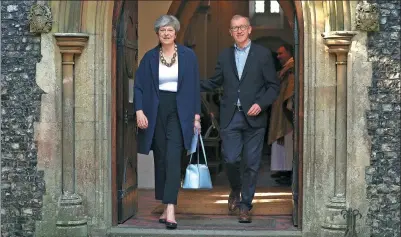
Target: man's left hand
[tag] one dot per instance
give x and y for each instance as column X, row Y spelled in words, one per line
column 289, row 104
column 254, row 110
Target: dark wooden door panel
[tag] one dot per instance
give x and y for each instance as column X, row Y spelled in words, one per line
column 295, row 160
column 127, row 49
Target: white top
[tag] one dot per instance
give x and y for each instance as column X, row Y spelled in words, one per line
column 168, row 77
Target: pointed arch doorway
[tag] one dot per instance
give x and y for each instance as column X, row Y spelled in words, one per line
column 318, row 140
column 125, row 196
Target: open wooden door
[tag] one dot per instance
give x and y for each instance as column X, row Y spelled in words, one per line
column 127, row 56
column 295, row 160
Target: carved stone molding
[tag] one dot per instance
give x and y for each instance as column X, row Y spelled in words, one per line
column 40, row 18
column 71, row 219
column 72, row 43
column 338, row 43
column 367, row 16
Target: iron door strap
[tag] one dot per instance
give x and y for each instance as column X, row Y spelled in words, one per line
column 122, row 192
column 124, row 42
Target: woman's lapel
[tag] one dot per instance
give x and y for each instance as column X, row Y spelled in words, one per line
column 154, row 65
column 181, row 64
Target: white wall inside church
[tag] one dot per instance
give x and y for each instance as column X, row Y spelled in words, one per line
column 146, row 178
column 148, row 12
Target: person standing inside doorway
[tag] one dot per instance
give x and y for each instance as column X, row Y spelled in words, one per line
column 167, row 105
column 281, row 121
column 247, row 74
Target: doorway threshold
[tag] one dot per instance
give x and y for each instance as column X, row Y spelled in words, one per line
column 145, row 223
column 124, row 231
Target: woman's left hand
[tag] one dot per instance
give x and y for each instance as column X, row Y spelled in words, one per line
column 197, row 125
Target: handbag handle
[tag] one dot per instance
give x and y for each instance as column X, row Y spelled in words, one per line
column 203, row 150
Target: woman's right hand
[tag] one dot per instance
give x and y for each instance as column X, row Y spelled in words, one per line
column 141, row 119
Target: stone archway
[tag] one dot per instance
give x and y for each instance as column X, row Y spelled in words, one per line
column 95, row 152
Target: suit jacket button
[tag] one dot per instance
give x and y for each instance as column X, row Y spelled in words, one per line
column 238, row 90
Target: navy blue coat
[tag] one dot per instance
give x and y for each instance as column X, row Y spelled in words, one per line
column 146, row 94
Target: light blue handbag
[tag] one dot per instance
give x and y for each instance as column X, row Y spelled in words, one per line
column 197, row 176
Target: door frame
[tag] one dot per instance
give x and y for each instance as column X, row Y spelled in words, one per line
column 300, row 138
column 118, row 4
column 177, row 9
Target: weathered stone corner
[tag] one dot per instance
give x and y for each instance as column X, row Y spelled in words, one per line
column 367, row 17
column 40, row 18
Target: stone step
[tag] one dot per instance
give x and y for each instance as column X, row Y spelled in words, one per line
column 129, row 231
column 267, row 201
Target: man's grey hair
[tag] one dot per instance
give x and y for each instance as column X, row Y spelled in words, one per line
column 236, row 17
column 167, row 20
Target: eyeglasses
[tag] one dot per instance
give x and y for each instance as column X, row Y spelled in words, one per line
column 236, row 28
column 166, row 31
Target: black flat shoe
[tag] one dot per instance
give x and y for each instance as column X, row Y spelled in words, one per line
column 161, row 220
column 171, row 225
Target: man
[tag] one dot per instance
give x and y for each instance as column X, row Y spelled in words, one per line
column 247, row 75
column 281, row 121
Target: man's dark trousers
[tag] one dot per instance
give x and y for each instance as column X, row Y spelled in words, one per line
column 239, row 139
column 239, row 132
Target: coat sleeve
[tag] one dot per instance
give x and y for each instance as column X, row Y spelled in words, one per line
column 289, row 90
column 138, row 84
column 271, row 82
column 216, row 80
column 197, row 86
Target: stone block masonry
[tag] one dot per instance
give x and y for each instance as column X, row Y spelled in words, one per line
column 22, row 185
column 384, row 118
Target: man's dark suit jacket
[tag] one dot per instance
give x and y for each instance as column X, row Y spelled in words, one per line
column 258, row 84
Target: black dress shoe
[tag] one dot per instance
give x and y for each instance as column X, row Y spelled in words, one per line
column 161, row 220
column 171, row 225
column 277, row 174
column 233, row 201
column 284, row 181
column 280, row 174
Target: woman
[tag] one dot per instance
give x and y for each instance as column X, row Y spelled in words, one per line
column 167, row 105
